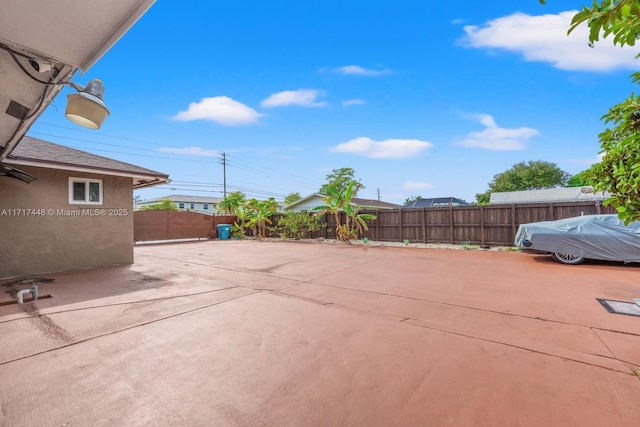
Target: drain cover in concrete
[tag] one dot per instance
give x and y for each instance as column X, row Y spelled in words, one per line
column 620, row 307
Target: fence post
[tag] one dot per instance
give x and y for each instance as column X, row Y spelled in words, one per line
column 513, row 222
column 597, row 207
column 400, row 222
column 326, row 223
column 482, row 237
column 377, row 224
column 424, row 225
column 551, row 215
column 451, row 224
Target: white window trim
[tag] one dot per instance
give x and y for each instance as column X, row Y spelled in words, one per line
column 86, row 201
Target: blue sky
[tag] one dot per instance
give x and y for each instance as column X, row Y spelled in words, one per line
column 419, row 98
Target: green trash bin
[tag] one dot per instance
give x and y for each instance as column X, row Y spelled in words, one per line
column 224, row 231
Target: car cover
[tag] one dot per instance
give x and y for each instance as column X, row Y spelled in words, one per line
column 604, row 237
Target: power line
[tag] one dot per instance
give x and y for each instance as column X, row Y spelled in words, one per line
column 246, row 191
column 92, row 132
column 237, row 162
column 256, row 165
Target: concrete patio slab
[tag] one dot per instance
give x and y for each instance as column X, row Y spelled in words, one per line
column 284, row 333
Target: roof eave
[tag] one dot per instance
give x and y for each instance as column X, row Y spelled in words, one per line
column 94, row 170
column 136, row 12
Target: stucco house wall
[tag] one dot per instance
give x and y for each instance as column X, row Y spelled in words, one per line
column 43, row 233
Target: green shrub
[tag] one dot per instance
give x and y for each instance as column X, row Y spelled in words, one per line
column 296, row 225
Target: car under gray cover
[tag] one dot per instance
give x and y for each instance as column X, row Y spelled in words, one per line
column 571, row 240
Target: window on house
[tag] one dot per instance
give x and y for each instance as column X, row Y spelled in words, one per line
column 181, row 205
column 205, row 206
column 193, row 206
column 85, row 191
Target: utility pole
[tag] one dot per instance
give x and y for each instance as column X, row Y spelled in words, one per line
column 378, row 194
column 223, row 161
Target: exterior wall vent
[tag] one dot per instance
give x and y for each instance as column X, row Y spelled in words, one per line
column 17, row 110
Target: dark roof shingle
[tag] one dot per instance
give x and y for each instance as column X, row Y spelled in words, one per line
column 50, row 154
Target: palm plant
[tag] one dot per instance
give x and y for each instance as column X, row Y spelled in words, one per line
column 243, row 215
column 259, row 215
column 232, row 202
column 341, row 200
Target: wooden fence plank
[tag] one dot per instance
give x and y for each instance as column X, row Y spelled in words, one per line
column 451, row 236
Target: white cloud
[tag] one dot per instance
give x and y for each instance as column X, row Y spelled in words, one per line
column 190, row 151
column 544, row 38
column 301, row 97
column 496, row 138
column 353, row 102
column 387, row 149
column 588, row 162
column 356, row 70
column 220, row 109
column 413, row 185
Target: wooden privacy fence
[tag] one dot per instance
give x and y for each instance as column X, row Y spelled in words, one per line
column 484, row 225
column 172, row 225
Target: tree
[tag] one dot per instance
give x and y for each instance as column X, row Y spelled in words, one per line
column 534, row 175
column 580, row 179
column 338, row 179
column 412, row 199
column 341, row 199
column 164, row 205
column 619, row 171
column 292, row 198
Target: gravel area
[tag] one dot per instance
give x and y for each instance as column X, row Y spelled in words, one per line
column 402, row 244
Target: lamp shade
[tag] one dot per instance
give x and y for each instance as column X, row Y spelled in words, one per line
column 86, row 107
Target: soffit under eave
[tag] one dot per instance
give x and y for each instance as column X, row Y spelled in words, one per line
column 65, row 34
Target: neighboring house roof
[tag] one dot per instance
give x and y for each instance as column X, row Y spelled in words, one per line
column 180, row 198
column 303, row 200
column 549, row 195
column 436, row 202
column 39, row 153
column 372, row 203
column 361, row 203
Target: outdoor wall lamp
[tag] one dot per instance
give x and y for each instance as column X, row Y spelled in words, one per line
column 86, row 108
